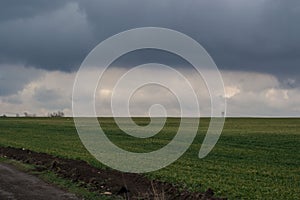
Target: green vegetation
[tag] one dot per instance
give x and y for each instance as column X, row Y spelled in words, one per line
column 254, row 158
column 75, row 188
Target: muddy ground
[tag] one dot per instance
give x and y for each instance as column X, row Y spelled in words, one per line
column 110, row 182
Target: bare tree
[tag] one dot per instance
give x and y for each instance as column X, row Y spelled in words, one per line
column 56, row 114
column 26, row 114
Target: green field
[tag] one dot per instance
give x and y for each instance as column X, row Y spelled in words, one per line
column 254, row 158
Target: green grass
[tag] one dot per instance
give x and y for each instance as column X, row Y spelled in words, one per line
column 75, row 188
column 254, row 158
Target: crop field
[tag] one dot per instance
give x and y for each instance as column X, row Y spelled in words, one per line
column 254, row 158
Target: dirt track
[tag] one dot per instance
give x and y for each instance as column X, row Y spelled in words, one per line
column 15, row 184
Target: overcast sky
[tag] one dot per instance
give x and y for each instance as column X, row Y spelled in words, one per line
column 255, row 44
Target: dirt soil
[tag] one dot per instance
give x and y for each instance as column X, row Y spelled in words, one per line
column 109, row 182
column 15, row 184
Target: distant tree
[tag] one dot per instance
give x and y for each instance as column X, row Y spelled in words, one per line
column 26, row 114
column 56, row 114
column 223, row 114
column 60, row 114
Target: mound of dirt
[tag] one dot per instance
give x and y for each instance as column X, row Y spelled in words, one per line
column 108, row 182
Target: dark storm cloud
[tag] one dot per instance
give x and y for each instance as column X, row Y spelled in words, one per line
column 15, row 9
column 56, row 39
column 240, row 35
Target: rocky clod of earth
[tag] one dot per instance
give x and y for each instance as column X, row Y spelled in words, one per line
column 105, row 181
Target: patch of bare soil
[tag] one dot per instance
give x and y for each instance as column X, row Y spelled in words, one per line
column 110, row 182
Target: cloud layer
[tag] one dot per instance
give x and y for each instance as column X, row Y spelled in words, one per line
column 247, row 94
column 255, row 44
column 261, row 35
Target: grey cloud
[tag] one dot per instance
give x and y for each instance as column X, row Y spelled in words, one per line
column 248, row 94
column 242, row 35
column 15, row 78
column 51, row 99
column 249, row 35
column 14, row 99
column 46, row 95
column 57, row 40
column 15, row 9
